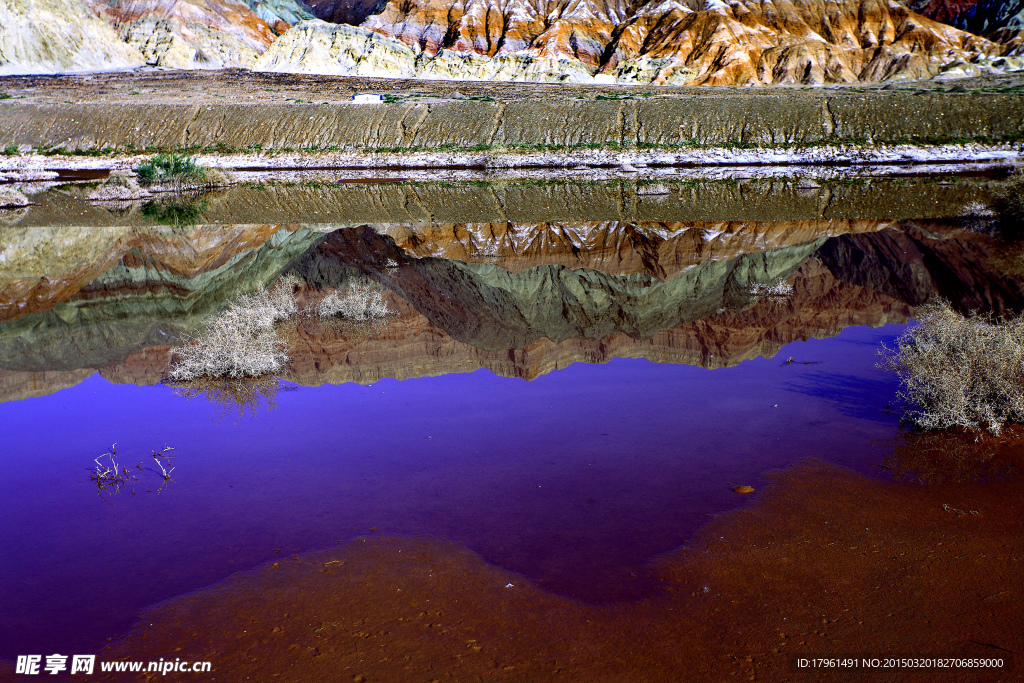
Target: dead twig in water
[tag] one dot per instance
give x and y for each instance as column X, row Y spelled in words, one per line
column 956, row 512
column 794, row 361
column 163, row 462
column 111, row 477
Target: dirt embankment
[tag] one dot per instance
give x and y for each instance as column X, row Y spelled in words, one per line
column 248, row 112
column 339, row 205
column 825, row 564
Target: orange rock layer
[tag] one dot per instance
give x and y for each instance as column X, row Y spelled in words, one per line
column 699, row 42
column 234, row 18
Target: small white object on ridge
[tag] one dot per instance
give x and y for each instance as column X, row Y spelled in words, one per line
column 368, row 98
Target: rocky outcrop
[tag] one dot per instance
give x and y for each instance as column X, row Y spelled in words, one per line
column 319, row 48
column 190, row 34
column 46, row 268
column 16, row 386
column 577, row 29
column 92, row 298
column 1002, row 22
column 492, row 308
column 944, row 11
column 699, row 42
column 989, row 16
column 688, row 42
column 352, row 12
column 409, row 346
column 973, row 274
column 46, row 36
column 795, row 42
column 281, row 15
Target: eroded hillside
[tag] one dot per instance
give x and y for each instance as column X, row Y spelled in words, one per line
column 689, row 42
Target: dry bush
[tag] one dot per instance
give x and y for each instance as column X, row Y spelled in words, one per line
column 1008, row 203
column 12, row 197
column 780, row 289
column 979, row 217
column 949, row 456
column 241, row 341
column 958, row 371
column 976, row 209
column 119, row 187
column 233, row 396
column 111, row 477
column 359, row 303
column 245, row 340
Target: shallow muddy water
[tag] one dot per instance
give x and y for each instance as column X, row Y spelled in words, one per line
column 569, row 397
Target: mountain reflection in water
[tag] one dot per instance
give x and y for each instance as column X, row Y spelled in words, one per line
column 679, row 293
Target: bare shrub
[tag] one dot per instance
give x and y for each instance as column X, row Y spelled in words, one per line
column 359, row 303
column 979, row 217
column 233, row 396
column 12, row 197
column 976, row 209
column 119, row 187
column 950, row 456
column 163, row 461
column 245, row 341
column 958, row 371
column 241, row 341
column 1008, row 203
column 780, row 289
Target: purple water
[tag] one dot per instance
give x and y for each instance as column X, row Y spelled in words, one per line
column 576, row 479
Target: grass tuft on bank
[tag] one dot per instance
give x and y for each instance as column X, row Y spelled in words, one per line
column 172, row 169
column 960, row 371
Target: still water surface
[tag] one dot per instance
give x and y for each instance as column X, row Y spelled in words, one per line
column 577, row 478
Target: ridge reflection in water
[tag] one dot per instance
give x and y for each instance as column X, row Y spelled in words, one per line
column 686, row 299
